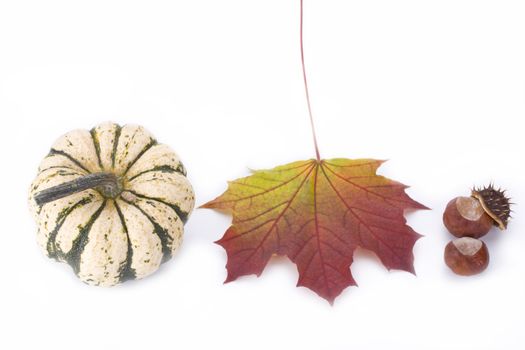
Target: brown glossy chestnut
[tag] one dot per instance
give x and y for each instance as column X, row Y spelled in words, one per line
column 465, row 217
column 467, row 256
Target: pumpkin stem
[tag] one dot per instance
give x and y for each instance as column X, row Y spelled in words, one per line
column 106, row 183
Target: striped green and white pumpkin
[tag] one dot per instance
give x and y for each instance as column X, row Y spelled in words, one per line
column 111, row 202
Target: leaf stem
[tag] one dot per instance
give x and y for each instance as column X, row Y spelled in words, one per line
column 306, row 88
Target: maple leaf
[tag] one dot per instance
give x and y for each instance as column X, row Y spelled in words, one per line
column 317, row 212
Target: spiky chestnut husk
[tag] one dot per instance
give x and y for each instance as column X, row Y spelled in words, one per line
column 495, row 204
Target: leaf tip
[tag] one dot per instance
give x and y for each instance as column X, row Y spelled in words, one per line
column 419, row 206
column 219, row 242
column 229, row 278
column 330, row 298
column 409, row 268
column 209, row 205
column 206, row 205
column 413, row 204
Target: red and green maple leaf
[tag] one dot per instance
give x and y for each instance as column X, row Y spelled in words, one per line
column 317, row 213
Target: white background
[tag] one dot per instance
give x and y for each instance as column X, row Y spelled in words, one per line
column 436, row 87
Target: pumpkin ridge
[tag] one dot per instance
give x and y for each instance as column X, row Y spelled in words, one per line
column 64, row 172
column 73, row 256
column 52, row 160
column 152, row 143
column 165, row 238
column 51, row 247
column 59, row 167
column 118, row 131
column 161, row 168
column 71, row 158
column 126, row 272
column 181, row 214
column 96, row 144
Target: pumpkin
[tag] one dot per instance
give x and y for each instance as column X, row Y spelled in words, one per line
column 110, row 202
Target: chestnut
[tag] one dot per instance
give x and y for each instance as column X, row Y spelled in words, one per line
column 465, row 217
column 467, row 256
